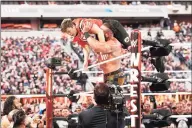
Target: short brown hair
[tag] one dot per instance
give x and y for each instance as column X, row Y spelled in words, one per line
column 101, row 93
column 66, row 23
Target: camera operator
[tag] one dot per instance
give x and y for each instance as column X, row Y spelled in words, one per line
column 98, row 116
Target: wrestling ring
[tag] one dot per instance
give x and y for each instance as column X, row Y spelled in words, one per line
column 135, row 50
column 50, row 96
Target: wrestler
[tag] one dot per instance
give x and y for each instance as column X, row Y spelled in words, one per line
column 74, row 28
column 107, row 50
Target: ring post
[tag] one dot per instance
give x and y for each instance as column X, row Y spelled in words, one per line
column 136, row 75
column 49, row 99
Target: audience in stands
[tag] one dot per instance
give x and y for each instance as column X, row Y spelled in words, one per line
column 18, row 116
column 23, row 68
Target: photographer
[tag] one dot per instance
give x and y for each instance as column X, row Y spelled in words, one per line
column 98, row 116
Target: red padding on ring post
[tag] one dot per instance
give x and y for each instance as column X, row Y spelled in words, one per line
column 135, row 49
column 49, row 99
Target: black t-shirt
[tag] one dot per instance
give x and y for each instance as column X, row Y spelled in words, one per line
column 96, row 118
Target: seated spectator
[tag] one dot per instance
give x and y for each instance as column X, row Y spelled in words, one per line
column 19, row 118
column 10, row 116
column 65, row 113
column 10, row 104
column 147, row 108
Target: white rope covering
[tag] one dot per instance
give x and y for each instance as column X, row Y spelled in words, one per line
column 179, row 116
column 172, row 44
column 100, row 79
column 26, row 96
column 84, row 93
column 180, row 44
column 122, row 56
column 173, row 116
column 181, row 80
column 100, row 63
column 184, row 71
column 166, row 93
column 90, row 93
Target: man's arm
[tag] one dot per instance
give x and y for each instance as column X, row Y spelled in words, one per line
column 101, row 47
column 86, row 52
column 96, row 30
column 93, row 27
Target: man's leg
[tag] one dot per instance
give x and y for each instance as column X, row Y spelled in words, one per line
column 117, row 79
column 119, row 32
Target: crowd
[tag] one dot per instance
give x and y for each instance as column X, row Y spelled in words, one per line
column 17, row 114
column 23, row 64
column 32, row 111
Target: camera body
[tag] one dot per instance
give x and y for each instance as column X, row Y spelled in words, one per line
column 116, row 99
column 53, row 62
column 157, row 118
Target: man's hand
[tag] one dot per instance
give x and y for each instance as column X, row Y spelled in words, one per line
column 85, row 65
column 86, row 52
column 87, row 26
column 73, row 75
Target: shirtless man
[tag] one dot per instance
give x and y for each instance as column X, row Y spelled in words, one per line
column 74, row 29
column 112, row 48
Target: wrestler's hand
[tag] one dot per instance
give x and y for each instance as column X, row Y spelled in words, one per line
column 87, row 26
column 85, row 65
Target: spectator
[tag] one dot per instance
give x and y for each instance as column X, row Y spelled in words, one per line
column 19, row 119
column 10, row 104
column 147, row 108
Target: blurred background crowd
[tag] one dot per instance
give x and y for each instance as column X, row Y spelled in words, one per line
column 23, row 64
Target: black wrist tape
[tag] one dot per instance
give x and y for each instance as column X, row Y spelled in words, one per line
column 86, row 34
